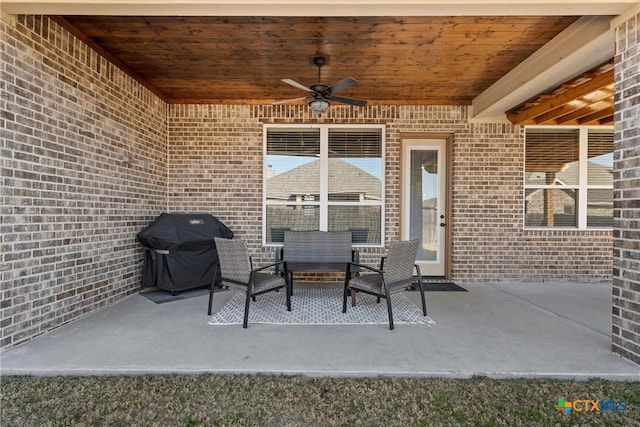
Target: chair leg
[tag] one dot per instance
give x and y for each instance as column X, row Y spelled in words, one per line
column 389, row 309
column 291, row 281
column 288, row 290
column 344, row 297
column 419, row 275
column 353, row 297
column 211, row 298
column 246, row 309
column 347, row 277
column 424, row 304
column 213, row 285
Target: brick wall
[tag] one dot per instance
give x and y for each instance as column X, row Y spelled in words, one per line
column 71, row 203
column 490, row 242
column 626, row 243
column 215, row 158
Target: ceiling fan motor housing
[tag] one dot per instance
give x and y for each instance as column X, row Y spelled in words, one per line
column 319, row 61
column 319, row 88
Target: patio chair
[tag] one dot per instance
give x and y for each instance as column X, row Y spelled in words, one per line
column 236, row 270
column 396, row 274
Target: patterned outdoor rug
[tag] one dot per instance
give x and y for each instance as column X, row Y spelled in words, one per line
column 318, row 306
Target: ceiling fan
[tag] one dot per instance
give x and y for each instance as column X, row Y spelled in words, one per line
column 319, row 95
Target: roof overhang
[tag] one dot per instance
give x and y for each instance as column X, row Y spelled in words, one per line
column 587, row 43
column 318, row 7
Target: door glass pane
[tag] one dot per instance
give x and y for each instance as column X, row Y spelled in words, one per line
column 550, row 208
column 423, row 210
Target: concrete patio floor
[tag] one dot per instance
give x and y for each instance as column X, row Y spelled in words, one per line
column 500, row 330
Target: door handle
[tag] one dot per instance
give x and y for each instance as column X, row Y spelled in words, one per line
column 442, row 224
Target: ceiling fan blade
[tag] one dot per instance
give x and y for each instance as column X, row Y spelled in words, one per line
column 297, row 85
column 351, row 101
column 342, row 84
column 286, row 101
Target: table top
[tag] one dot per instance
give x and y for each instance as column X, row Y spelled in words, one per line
column 318, row 266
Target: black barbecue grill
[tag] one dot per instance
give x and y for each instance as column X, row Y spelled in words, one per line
column 180, row 252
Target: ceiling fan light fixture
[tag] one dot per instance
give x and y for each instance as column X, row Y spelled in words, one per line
column 319, row 105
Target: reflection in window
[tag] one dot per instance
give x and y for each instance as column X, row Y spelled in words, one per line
column 548, row 208
column 552, row 157
column 362, row 221
column 599, row 208
column 293, row 172
column 557, row 178
column 355, row 162
column 324, row 178
column 424, row 223
column 290, row 217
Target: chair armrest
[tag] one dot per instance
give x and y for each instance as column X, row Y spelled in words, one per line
column 366, row 267
column 234, row 281
column 382, row 259
column 403, row 282
column 408, row 280
column 275, row 264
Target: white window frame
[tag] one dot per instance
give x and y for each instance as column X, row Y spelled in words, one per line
column 324, row 202
column 582, row 186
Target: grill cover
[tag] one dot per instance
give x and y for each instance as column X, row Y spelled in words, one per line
column 180, row 251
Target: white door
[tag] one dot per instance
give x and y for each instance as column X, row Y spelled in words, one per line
column 423, row 201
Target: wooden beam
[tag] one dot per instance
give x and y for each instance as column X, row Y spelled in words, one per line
column 576, row 116
column 597, row 116
column 551, row 115
column 607, row 121
column 592, row 85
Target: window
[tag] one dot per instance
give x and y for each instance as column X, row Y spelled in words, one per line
column 569, row 177
column 324, row 177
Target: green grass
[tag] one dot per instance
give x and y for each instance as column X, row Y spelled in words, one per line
column 259, row 400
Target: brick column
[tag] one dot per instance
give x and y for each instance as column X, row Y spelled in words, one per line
column 626, row 244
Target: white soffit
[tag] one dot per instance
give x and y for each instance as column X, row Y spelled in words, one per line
column 586, row 44
column 318, row 7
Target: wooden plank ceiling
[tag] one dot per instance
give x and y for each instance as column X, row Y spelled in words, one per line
column 396, row 60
